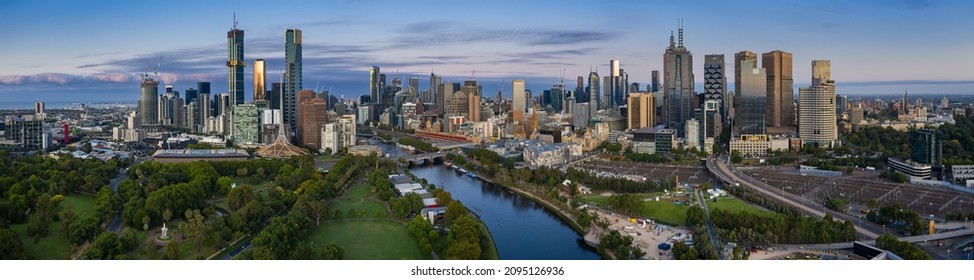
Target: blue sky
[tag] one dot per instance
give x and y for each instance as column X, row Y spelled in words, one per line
column 99, row 47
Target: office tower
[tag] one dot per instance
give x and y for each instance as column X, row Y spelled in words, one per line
column 655, row 84
column 149, row 102
column 615, row 82
column 580, row 90
column 557, row 98
column 292, row 76
column 473, row 104
column 678, row 84
column 593, row 94
column 714, row 80
column 780, row 100
column 710, row 120
column 751, row 108
column 235, row 64
column 816, row 125
column 39, row 113
column 436, row 90
column 330, row 138
column 739, row 58
column 302, row 96
column 692, row 140
column 260, row 83
column 569, row 105
column 274, row 95
column 519, row 103
column 641, row 108
column 245, row 124
column 926, row 146
column 165, row 107
column 374, row 84
column 841, row 104
column 313, row 116
column 606, row 92
column 580, row 115
column 27, row 132
column 203, row 110
column 191, row 95
column 413, row 86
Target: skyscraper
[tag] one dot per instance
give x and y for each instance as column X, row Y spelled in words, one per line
column 714, row 80
column 413, row 86
column 374, row 85
column 593, row 92
column 245, row 123
column 292, row 75
column 655, row 84
column 235, row 64
column 678, row 83
column 750, row 111
column 641, row 110
column 780, row 100
column 816, row 124
column 926, row 146
column 149, row 102
column 436, row 90
column 260, row 84
column 473, row 91
column 615, row 84
column 519, row 104
column 313, row 116
column 739, row 58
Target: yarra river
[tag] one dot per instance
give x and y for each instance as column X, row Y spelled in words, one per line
column 522, row 229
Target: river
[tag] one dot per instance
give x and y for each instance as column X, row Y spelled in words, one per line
column 522, row 229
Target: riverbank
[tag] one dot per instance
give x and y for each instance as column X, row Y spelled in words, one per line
column 560, row 213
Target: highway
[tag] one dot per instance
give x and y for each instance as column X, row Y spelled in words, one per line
column 723, row 172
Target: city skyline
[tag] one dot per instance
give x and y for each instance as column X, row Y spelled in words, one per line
column 443, row 39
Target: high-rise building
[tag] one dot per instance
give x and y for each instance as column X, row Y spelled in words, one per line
column 678, row 84
column 313, row 116
column 580, row 90
column 149, row 102
column 260, row 83
column 926, row 146
column 203, row 111
column 593, row 94
column 519, row 103
column 374, row 85
column 816, row 124
column 473, row 104
column 714, row 80
column 750, row 110
column 235, row 64
column 436, row 90
column 292, row 76
column 692, row 139
column 641, row 108
column 557, row 97
column 191, row 95
column 710, row 120
column 739, row 58
column 245, row 124
column 39, row 111
column 654, row 86
column 841, row 104
column 413, row 86
column 781, row 92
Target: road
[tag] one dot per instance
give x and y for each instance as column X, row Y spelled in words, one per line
column 722, row 171
column 116, row 224
column 710, row 225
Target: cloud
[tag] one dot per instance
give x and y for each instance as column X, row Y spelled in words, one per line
column 424, row 34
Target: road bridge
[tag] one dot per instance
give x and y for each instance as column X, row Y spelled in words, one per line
column 425, row 157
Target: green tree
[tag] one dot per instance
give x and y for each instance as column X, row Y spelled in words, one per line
column 84, row 230
column 11, row 248
column 106, row 247
column 695, row 216
column 172, row 250
column 195, row 229
column 240, row 196
column 107, row 203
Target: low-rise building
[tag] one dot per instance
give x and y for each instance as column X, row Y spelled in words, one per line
column 539, row 154
column 190, row 155
column 911, row 168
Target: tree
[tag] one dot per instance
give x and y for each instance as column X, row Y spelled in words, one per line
column 224, row 184
column 242, row 172
column 317, row 209
column 240, row 196
column 38, row 226
column 195, row 229
column 166, row 215
column 736, row 157
column 67, row 218
column 695, row 216
column 83, row 230
column 172, row 250
column 106, row 247
column 107, row 203
column 10, row 246
column 86, row 148
column 454, row 211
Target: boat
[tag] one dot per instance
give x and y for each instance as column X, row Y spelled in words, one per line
column 462, row 170
column 471, row 175
column 448, row 164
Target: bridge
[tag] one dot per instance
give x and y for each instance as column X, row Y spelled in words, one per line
column 376, row 137
column 425, row 157
column 912, row 239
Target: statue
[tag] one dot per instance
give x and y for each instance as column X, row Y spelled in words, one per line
column 165, row 232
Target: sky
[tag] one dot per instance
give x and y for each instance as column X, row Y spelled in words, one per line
column 89, row 50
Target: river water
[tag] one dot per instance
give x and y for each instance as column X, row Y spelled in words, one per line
column 522, row 229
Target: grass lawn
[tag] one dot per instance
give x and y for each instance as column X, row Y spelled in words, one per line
column 55, row 246
column 733, row 204
column 188, row 251
column 359, row 198
column 369, row 240
column 663, row 210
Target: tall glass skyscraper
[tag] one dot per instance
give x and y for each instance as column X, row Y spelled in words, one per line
column 593, row 92
column 235, row 64
column 750, row 111
column 260, row 82
column 678, row 84
column 149, row 102
column 781, row 89
column 292, row 75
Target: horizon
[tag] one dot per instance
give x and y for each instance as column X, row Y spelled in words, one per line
column 453, row 43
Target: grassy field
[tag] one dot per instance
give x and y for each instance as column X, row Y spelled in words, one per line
column 664, row 210
column 369, row 240
column 359, row 198
column 55, row 246
column 733, row 204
